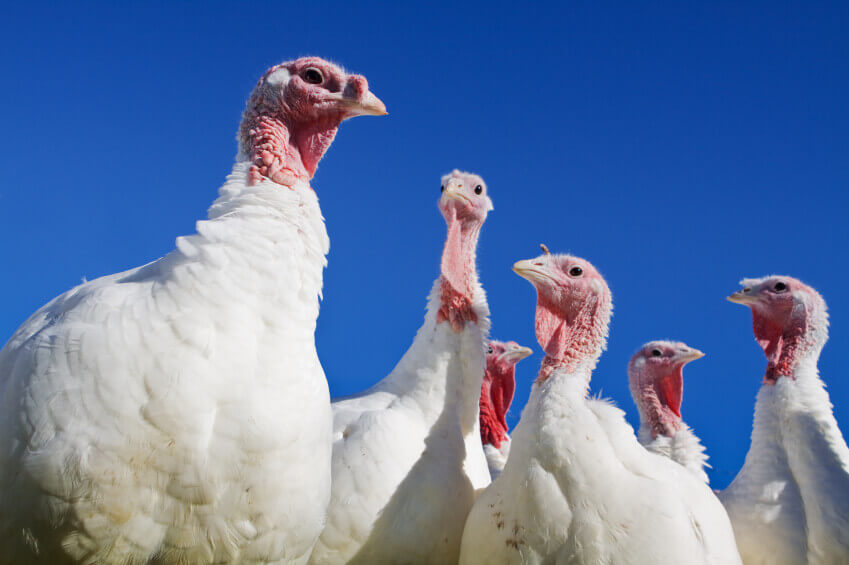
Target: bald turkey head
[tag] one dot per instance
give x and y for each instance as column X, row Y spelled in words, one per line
column 789, row 318
column 499, row 384
column 293, row 114
column 656, row 376
column 574, row 306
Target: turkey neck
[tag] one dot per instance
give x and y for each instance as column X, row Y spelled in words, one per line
column 658, row 414
column 457, row 268
column 281, row 151
column 493, row 413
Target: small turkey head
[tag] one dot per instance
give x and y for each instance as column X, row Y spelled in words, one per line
column 656, row 376
column 499, row 384
column 790, row 321
column 464, row 205
column 574, row 306
column 293, row 114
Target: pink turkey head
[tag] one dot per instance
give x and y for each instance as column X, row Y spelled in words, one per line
column 499, row 384
column 464, row 197
column 790, row 320
column 656, row 376
column 574, row 306
column 295, row 110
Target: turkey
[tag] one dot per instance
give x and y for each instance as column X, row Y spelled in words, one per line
column 656, row 376
column 177, row 412
column 499, row 384
column 790, row 501
column 407, row 453
column 578, row 487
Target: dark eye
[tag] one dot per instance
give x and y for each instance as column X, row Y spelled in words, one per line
column 478, row 189
column 780, row 287
column 313, row 76
column 656, row 353
column 576, row 271
column 489, row 350
column 442, row 188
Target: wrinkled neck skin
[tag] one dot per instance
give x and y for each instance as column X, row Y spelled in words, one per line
column 572, row 342
column 459, row 276
column 494, row 403
column 659, row 403
column 789, row 348
column 281, row 150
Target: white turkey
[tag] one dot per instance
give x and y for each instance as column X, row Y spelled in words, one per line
column 407, row 453
column 578, row 487
column 656, row 376
column 177, row 412
column 790, row 501
column 499, row 385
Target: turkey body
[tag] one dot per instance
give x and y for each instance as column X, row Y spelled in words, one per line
column 407, row 453
column 790, row 501
column 579, row 488
column 177, row 412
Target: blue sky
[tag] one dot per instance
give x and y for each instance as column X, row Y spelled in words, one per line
column 679, row 146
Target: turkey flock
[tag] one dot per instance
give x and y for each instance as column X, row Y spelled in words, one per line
column 177, row 413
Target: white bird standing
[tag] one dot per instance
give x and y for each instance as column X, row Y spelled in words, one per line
column 407, row 453
column 499, row 385
column 789, row 504
column 656, row 376
column 578, row 487
column 177, row 412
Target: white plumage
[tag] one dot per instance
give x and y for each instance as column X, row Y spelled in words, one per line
column 177, row 412
column 684, row 447
column 578, row 487
column 790, row 501
column 158, row 412
column 407, row 454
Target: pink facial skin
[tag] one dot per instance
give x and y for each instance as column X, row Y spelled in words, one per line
column 789, row 319
column 574, row 306
column 293, row 114
column 464, row 205
column 656, row 377
column 499, row 384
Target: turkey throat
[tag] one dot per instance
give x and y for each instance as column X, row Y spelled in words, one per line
column 286, row 153
column 458, row 270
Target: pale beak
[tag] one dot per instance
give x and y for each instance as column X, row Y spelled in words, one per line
column 370, row 105
column 744, row 298
column 450, row 193
column 516, row 355
column 690, row 354
column 533, row 273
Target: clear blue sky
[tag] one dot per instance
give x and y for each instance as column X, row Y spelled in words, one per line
column 679, row 146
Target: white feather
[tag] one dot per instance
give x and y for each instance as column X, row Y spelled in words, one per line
column 579, row 488
column 407, row 454
column 176, row 412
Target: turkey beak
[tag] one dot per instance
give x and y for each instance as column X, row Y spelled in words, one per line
column 368, row 105
column 516, row 355
column 687, row 355
column 452, row 192
column 743, row 296
column 530, row 272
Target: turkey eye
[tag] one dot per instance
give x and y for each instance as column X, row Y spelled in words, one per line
column 442, row 188
column 656, row 353
column 313, row 76
column 576, row 271
column 780, row 287
column 489, row 350
column 478, row 189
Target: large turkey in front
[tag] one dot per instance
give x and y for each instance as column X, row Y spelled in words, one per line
column 177, row 412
